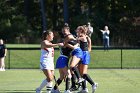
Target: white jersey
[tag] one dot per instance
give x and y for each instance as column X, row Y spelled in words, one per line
column 47, row 58
column 105, row 34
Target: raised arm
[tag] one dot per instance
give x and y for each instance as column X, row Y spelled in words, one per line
column 102, row 31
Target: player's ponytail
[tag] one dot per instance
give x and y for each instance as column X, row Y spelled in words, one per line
column 45, row 34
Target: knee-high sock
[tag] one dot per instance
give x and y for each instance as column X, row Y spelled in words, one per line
column 76, row 72
column 87, row 77
column 84, row 84
column 73, row 80
column 43, row 84
column 49, row 86
column 67, row 83
column 58, row 82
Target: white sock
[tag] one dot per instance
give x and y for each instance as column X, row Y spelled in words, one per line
column 2, row 64
column 43, row 84
column 49, row 86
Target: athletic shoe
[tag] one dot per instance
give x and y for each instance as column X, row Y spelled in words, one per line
column 73, row 88
column 80, row 88
column 48, row 92
column 38, row 90
column 84, row 91
column 3, row 69
column 80, row 80
column 94, row 87
column 67, row 91
column 55, row 91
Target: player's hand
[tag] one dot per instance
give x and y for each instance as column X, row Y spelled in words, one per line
column 61, row 44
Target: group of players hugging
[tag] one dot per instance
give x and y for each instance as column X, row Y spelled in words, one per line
column 72, row 62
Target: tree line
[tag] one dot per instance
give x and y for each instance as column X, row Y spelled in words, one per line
column 21, row 20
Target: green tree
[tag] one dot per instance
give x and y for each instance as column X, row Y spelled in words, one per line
column 22, row 19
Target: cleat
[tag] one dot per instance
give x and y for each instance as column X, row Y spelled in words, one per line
column 38, row 90
column 55, row 91
column 94, row 87
column 80, row 88
column 2, row 69
column 73, row 88
column 80, row 80
column 48, row 92
column 67, row 91
column 83, row 90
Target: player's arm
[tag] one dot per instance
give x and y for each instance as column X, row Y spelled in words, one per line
column 91, row 29
column 102, row 31
column 108, row 32
column 5, row 51
column 89, row 43
column 48, row 45
column 66, row 44
column 80, row 39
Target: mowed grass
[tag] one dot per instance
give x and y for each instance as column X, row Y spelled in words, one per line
column 109, row 80
column 22, row 45
column 99, row 58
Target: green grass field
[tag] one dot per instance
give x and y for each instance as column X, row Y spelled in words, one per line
column 109, row 80
column 22, row 45
column 99, row 59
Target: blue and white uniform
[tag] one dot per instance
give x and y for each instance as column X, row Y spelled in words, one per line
column 47, row 58
column 63, row 59
column 86, row 54
column 77, row 51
